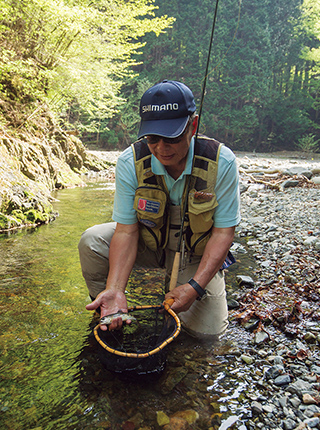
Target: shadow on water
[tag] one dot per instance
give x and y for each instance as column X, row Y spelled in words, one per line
column 51, row 375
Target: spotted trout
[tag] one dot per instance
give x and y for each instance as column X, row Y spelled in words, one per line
column 109, row 318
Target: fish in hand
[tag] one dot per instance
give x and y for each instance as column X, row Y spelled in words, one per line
column 106, row 320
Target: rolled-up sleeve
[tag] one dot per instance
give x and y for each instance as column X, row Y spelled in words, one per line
column 227, row 213
column 126, row 185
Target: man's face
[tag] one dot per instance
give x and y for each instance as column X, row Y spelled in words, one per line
column 173, row 153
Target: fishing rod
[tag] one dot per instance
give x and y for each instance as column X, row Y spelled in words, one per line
column 176, row 261
column 207, row 68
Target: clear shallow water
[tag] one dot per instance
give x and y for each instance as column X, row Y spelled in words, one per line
column 43, row 320
column 50, row 376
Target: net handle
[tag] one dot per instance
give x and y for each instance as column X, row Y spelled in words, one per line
column 166, row 305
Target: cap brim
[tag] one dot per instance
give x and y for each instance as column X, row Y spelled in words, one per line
column 166, row 128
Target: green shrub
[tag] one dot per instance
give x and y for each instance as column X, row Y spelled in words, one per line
column 308, row 143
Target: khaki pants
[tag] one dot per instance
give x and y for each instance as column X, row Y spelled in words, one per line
column 205, row 317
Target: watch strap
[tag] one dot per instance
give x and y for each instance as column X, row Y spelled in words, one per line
column 201, row 292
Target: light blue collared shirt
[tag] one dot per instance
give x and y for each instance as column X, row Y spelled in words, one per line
column 227, row 213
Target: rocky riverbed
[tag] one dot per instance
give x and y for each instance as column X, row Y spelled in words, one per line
column 278, row 306
column 270, row 373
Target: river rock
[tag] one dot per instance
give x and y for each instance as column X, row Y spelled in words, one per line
column 233, row 304
column 177, row 423
column 312, row 422
column 289, row 183
column 299, row 387
column 315, row 369
column 256, row 408
column 171, row 379
column 162, row 418
column 297, row 170
column 316, row 180
column 310, row 338
column 247, row 359
column 289, row 424
column 189, row 415
column 245, row 280
column 282, row 380
column 274, row 371
column 260, row 337
column 308, row 400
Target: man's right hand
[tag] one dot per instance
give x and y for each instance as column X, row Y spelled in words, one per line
column 110, row 302
column 122, row 255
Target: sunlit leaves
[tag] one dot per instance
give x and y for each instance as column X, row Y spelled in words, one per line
column 75, row 52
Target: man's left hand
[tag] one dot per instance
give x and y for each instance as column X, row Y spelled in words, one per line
column 183, row 296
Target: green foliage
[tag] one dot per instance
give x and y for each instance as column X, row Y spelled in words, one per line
column 18, row 215
column 6, row 222
column 92, row 61
column 72, row 53
column 258, row 85
column 308, row 143
column 110, row 138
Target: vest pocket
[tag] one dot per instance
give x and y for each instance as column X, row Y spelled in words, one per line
column 198, row 242
column 201, row 207
column 150, row 205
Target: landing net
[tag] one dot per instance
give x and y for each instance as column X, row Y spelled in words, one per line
column 139, row 348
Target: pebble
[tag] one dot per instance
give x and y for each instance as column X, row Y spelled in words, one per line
column 307, row 399
column 247, row 359
column 282, row 380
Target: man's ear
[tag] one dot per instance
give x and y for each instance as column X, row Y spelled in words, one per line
column 195, row 125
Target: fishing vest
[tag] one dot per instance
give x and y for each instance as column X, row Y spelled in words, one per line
column 152, row 201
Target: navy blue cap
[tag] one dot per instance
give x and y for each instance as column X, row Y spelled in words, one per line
column 165, row 109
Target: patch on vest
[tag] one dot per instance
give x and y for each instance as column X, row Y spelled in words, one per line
column 148, row 206
column 205, row 197
column 148, row 223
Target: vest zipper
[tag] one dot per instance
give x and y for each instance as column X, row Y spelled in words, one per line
column 152, row 234
column 199, row 240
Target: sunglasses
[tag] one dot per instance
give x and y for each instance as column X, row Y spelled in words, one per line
column 155, row 139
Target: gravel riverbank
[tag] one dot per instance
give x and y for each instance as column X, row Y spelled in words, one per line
column 278, row 306
column 273, row 365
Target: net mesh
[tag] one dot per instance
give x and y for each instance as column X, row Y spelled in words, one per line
column 138, row 348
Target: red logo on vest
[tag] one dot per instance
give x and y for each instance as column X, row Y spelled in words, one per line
column 142, row 203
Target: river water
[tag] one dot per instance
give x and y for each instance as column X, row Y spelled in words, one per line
column 51, row 377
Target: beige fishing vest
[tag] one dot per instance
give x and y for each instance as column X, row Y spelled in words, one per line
column 152, row 201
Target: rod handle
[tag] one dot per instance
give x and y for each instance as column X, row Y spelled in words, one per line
column 175, row 271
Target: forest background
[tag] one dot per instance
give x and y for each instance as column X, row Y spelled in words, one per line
column 89, row 62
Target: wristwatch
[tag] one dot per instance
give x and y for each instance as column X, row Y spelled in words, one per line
column 201, row 292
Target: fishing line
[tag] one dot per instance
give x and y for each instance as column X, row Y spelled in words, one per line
column 176, row 261
column 233, row 38
column 207, row 66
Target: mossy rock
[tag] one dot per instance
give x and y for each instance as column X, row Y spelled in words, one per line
column 36, row 217
column 18, row 215
column 7, row 222
column 3, row 221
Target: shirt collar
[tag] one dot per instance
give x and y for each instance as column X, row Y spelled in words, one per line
column 159, row 169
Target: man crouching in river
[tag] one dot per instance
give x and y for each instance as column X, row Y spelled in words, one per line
column 151, row 178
